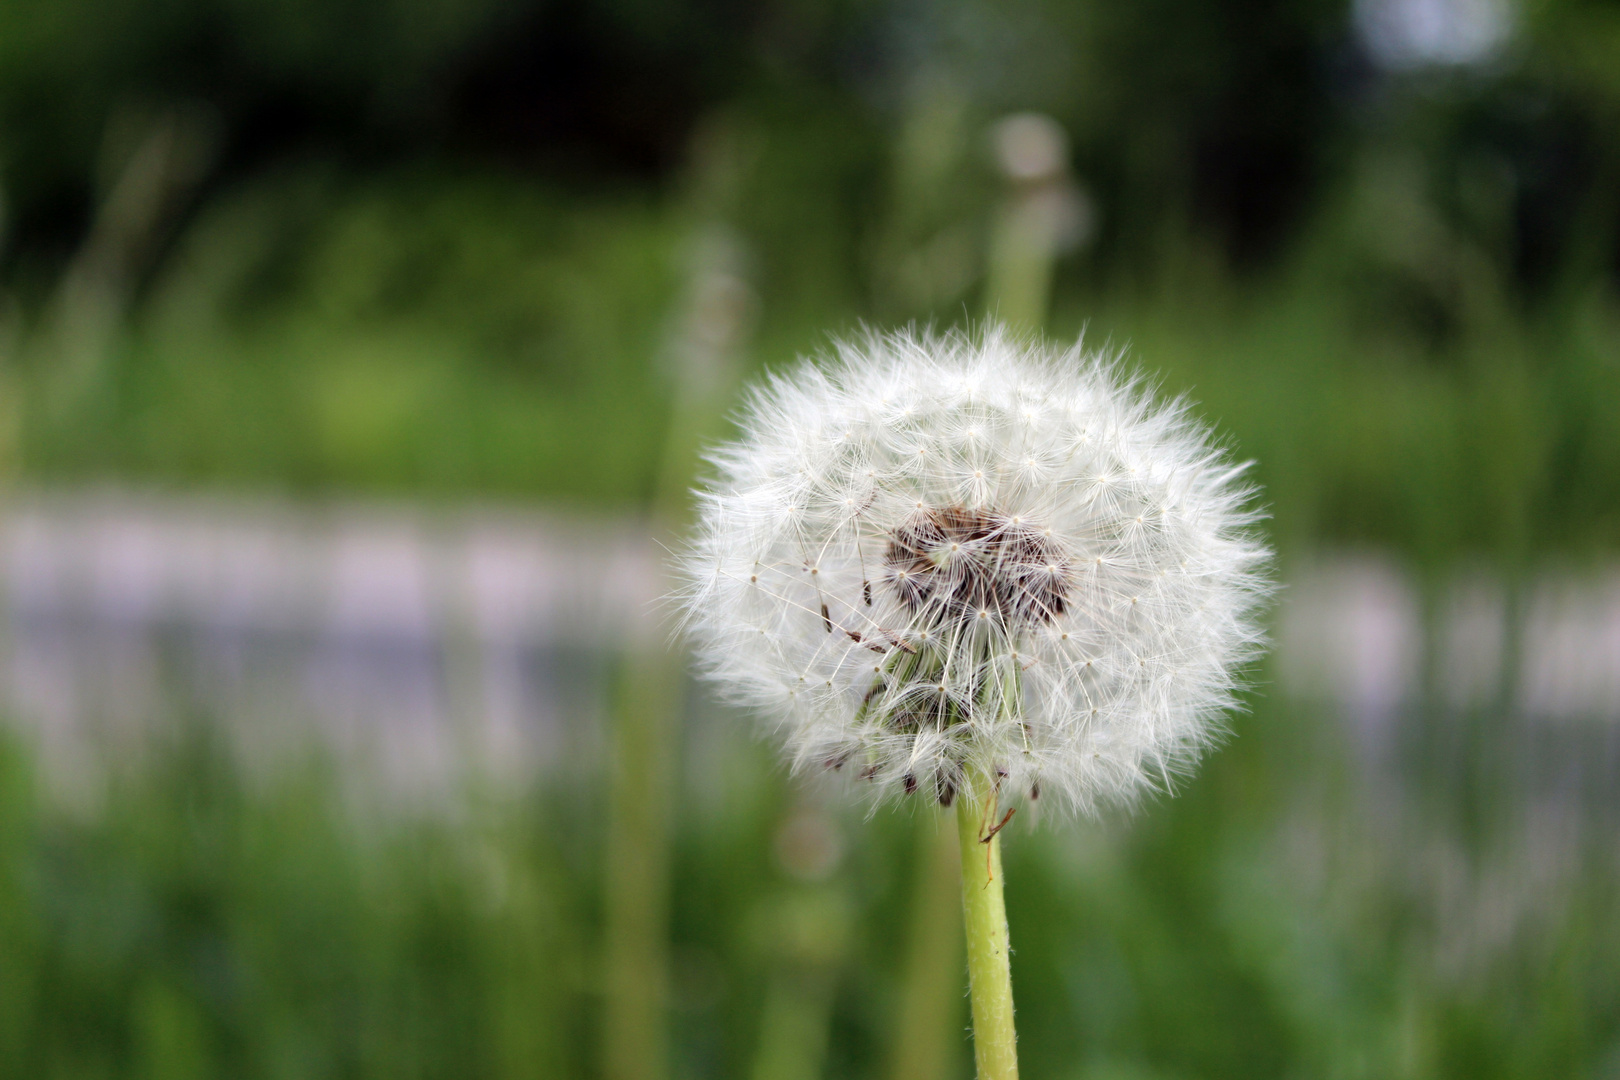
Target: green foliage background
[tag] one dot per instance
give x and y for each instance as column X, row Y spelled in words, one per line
column 434, row 248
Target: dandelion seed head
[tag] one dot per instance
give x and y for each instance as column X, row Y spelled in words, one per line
column 1021, row 564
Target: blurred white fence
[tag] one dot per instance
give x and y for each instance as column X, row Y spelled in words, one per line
column 421, row 642
column 427, row 642
column 1352, row 630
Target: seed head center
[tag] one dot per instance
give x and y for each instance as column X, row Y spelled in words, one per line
column 956, row 565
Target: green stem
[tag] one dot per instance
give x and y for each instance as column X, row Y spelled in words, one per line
column 995, row 1042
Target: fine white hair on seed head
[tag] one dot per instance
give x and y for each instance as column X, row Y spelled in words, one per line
column 929, row 558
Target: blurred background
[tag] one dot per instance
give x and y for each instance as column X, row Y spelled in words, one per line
column 353, row 361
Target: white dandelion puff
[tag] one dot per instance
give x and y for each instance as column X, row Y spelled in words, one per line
column 931, row 558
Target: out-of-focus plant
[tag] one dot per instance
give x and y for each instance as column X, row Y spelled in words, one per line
column 805, row 930
column 1044, row 214
column 197, row 922
column 710, row 330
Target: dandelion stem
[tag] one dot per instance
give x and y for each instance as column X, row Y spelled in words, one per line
column 995, row 1042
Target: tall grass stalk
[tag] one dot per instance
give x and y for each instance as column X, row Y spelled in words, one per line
column 930, row 1022
column 716, row 319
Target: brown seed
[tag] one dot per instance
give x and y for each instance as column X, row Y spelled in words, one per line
column 965, row 563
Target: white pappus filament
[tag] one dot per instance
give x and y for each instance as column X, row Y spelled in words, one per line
column 933, row 557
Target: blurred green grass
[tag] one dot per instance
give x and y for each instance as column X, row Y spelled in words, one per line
column 433, row 333
column 470, row 338
column 462, row 335
column 200, row 922
column 1421, row 356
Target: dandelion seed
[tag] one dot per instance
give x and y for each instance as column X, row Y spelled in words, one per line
column 1123, row 688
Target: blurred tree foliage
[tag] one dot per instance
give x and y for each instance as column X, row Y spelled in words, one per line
column 1229, row 118
column 434, row 245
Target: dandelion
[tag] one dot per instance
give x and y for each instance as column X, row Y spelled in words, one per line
column 978, row 570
